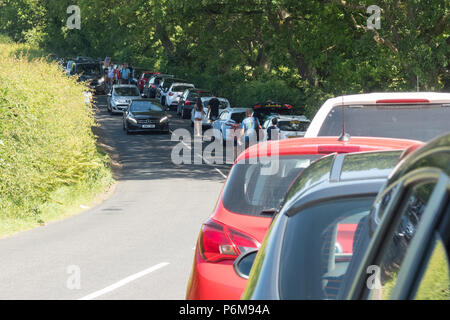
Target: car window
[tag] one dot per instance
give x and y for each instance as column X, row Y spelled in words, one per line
column 238, row 116
column 224, row 115
column 317, row 270
column 293, row 125
column 435, row 282
column 127, row 92
column 180, row 88
column 428, row 121
column 144, row 106
column 249, row 191
column 390, row 259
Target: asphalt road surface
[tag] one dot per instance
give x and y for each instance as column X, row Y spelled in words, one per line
column 137, row 244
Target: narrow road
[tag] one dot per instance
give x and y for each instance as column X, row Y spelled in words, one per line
column 138, row 244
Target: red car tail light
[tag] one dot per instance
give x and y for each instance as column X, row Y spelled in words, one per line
column 187, row 103
column 153, row 86
column 219, row 242
column 337, row 149
column 404, row 101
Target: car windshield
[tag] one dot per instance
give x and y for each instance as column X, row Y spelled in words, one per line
column 127, row 92
column 250, row 190
column 88, row 68
column 418, row 122
column 293, row 125
column 180, row 88
column 144, row 106
column 199, row 94
column 317, row 271
column 238, row 116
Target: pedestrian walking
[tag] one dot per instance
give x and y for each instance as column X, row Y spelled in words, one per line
column 273, row 132
column 125, row 74
column 199, row 115
column 250, row 127
column 213, row 108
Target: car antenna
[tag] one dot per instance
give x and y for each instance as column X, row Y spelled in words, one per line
column 345, row 137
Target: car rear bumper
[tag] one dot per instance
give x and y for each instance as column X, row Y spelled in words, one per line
column 214, row 281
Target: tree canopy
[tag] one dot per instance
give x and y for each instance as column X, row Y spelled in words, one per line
column 300, row 52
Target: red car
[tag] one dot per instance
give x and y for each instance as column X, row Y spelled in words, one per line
column 145, row 76
column 252, row 194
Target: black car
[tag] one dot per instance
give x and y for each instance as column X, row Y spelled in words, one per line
column 145, row 115
column 310, row 243
column 405, row 251
column 266, row 109
column 188, row 100
column 89, row 71
column 153, row 84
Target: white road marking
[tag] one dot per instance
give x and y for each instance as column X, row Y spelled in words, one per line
column 124, row 282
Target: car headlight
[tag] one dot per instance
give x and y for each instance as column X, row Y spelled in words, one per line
column 132, row 119
column 101, row 80
column 164, row 119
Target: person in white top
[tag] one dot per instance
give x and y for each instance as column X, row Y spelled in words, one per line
column 199, row 114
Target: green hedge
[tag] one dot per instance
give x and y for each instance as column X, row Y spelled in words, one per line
column 46, row 141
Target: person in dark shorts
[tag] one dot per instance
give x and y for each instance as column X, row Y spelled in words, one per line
column 213, row 108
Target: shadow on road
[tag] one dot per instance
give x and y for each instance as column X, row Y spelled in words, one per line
column 147, row 156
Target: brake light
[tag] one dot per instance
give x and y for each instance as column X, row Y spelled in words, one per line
column 187, row 103
column 153, row 86
column 403, row 101
column 288, row 106
column 219, row 242
column 257, row 106
column 337, row 149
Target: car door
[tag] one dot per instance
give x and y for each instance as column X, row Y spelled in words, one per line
column 221, row 120
column 405, row 207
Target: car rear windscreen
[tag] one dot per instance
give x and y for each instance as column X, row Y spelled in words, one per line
column 419, row 121
column 180, row 88
column 249, row 190
column 293, row 125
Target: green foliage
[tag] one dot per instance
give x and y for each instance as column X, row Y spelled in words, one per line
column 315, row 49
column 46, row 141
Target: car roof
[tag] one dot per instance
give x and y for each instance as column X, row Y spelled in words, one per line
column 340, row 175
column 235, row 110
column 324, row 145
column 290, row 117
column 181, row 84
column 124, row 86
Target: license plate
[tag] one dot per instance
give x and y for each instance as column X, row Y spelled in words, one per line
column 148, row 126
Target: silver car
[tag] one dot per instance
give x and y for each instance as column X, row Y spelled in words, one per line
column 121, row 96
column 290, row 126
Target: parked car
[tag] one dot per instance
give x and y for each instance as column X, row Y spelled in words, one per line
column 161, row 91
column 416, row 115
column 403, row 251
column 310, row 244
column 206, row 123
column 228, row 119
column 173, row 94
column 144, row 78
column 269, row 108
column 153, row 84
column 145, row 115
column 290, row 126
column 188, row 100
column 250, row 197
column 121, row 96
column 89, row 71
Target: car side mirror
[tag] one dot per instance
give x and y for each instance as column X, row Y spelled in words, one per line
column 243, row 264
